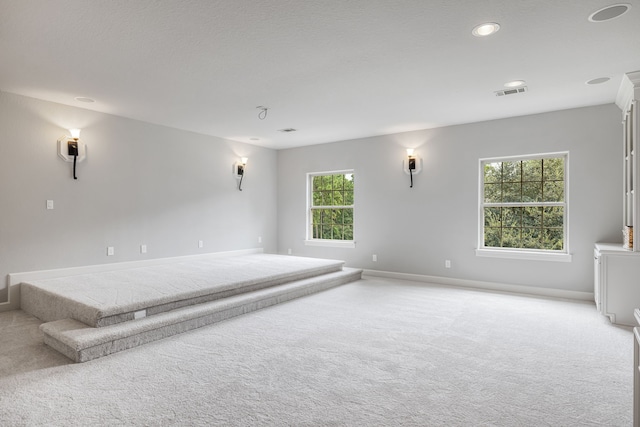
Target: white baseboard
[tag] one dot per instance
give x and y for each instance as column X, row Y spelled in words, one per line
column 14, row 279
column 476, row 284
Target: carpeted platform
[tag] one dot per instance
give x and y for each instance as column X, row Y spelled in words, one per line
column 93, row 315
column 102, row 299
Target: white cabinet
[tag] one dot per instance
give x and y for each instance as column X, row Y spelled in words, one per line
column 617, row 282
column 616, row 268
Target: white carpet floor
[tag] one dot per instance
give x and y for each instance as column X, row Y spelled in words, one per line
column 377, row 352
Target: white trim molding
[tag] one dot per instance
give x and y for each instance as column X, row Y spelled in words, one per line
column 523, row 254
column 627, row 90
column 331, row 243
column 487, row 286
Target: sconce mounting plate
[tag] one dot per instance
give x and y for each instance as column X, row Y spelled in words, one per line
column 63, row 149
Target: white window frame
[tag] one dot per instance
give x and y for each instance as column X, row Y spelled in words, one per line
column 518, row 253
column 310, row 241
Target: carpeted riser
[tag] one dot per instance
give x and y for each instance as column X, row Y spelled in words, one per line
column 120, row 344
column 150, row 311
column 46, row 306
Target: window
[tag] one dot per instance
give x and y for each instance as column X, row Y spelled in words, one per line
column 330, row 212
column 523, row 208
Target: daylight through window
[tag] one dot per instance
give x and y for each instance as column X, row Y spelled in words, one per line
column 331, row 206
column 523, row 203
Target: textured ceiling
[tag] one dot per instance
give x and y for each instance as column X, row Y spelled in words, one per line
column 332, row 69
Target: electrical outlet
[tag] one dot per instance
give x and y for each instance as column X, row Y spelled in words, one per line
column 259, row 239
column 143, row 249
column 289, row 251
column 447, row 263
column 49, row 204
column 374, row 258
column 110, row 251
column 200, row 244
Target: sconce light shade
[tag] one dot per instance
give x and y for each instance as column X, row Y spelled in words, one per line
column 75, row 133
column 244, row 160
column 410, row 152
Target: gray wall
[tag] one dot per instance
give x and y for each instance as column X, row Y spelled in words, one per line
column 140, row 184
column 415, row 230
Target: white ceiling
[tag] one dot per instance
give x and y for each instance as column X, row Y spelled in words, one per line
column 332, row 69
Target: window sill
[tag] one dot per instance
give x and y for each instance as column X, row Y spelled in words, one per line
column 526, row 255
column 331, row 243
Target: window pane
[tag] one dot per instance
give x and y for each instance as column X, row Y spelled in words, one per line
column 532, row 191
column 553, row 216
column 553, row 169
column 335, row 182
column 531, row 238
column 348, row 216
column 337, row 216
column 317, row 183
column 511, row 192
column 492, row 217
column 492, row 237
column 316, row 216
column 316, row 231
column 532, row 217
column 348, row 232
column 326, row 216
column 326, row 232
column 317, row 198
column 532, row 170
column 511, row 238
column 511, row 217
column 493, row 172
column 348, row 182
column 554, row 191
column 511, row 172
column 493, row 193
column 552, row 239
column 337, row 232
column 338, row 198
column 348, row 198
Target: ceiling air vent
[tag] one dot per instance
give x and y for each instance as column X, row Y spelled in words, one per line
column 287, row 130
column 512, row 91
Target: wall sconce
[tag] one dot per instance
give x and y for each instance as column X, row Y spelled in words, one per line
column 413, row 165
column 238, row 171
column 71, row 149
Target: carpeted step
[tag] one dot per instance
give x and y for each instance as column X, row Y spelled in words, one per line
column 107, row 298
column 82, row 343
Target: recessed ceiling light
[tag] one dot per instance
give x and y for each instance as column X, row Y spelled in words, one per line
column 287, row 130
column 609, row 12
column 485, row 29
column 254, row 139
column 514, row 83
column 83, row 99
column 598, row 81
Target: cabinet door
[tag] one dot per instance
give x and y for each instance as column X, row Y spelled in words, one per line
column 619, row 285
